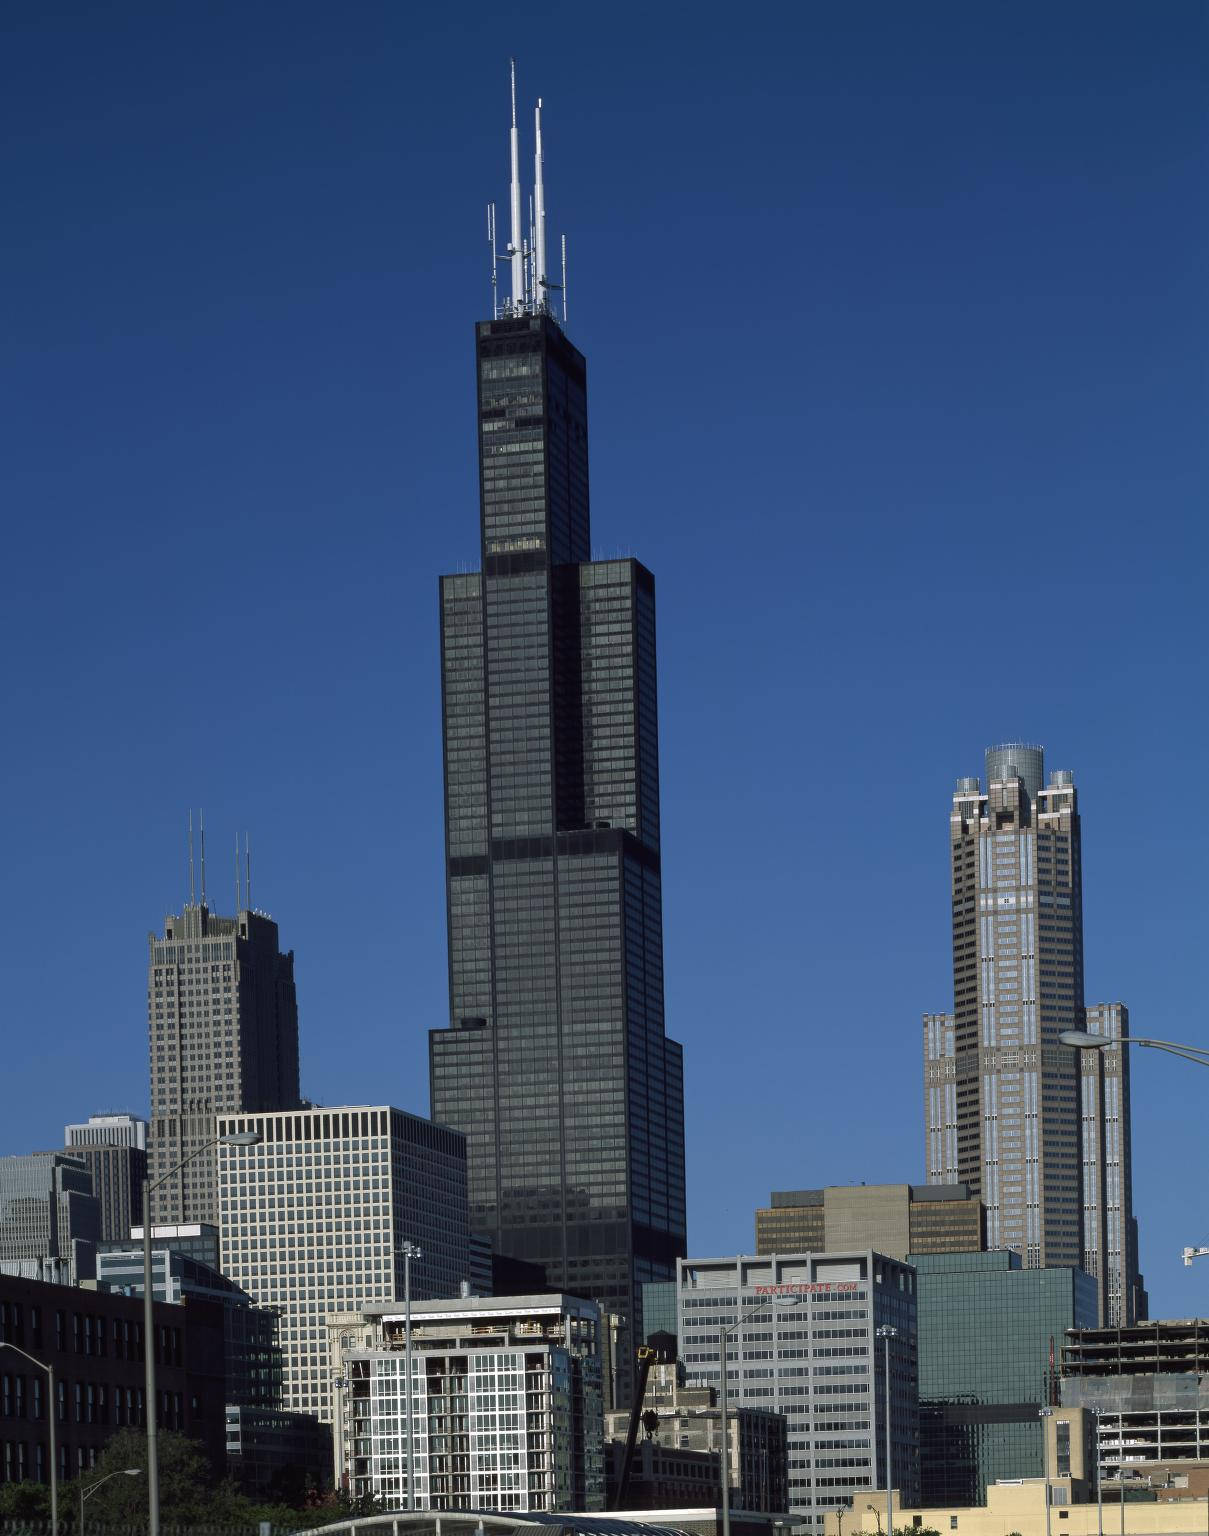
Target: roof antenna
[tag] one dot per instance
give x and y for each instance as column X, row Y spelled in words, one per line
column 237, row 886
column 201, row 816
column 247, row 855
column 530, row 285
column 564, row 282
column 495, row 302
column 192, row 891
column 539, row 212
column 514, row 245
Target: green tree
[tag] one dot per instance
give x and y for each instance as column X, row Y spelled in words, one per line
column 188, row 1488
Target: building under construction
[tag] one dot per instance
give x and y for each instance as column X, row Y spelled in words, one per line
column 1148, row 1390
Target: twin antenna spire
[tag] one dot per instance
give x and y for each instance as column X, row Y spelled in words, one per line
column 243, row 888
column 526, row 254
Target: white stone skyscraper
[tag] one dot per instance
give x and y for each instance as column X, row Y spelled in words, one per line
column 1039, row 1133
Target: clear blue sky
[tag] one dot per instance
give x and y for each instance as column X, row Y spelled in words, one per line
column 896, row 327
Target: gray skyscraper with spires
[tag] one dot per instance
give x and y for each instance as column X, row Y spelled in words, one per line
column 1039, row 1131
column 222, row 1019
column 555, row 1062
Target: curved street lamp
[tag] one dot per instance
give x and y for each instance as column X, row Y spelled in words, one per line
column 1079, row 1040
column 52, row 1409
column 235, row 1139
column 724, row 1331
column 92, row 1488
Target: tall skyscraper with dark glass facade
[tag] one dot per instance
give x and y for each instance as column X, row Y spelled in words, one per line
column 555, row 1063
column 1039, row 1131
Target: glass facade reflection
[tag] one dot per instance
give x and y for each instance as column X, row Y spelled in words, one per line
column 986, row 1328
column 555, row 1063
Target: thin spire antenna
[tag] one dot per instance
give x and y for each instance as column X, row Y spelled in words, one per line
column 530, row 285
column 539, row 210
column 515, row 246
column 192, row 889
column 247, row 858
column 564, row 282
column 238, row 890
column 202, row 819
column 495, row 301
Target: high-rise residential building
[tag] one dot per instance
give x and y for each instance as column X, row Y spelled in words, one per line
column 505, row 1403
column 987, row 1327
column 895, row 1219
column 802, row 1339
column 109, row 1130
column 313, row 1218
column 223, row 1029
column 1004, row 1100
column 49, row 1218
column 555, row 1062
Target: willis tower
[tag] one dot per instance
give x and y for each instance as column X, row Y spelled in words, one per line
column 555, row 1063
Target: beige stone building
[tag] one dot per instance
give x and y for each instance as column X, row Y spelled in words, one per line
column 894, row 1219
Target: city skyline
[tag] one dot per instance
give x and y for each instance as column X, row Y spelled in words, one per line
column 766, row 985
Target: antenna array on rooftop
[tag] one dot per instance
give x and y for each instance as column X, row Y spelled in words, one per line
column 531, row 288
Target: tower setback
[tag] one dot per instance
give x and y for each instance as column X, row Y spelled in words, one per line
column 1038, row 1130
column 555, row 1063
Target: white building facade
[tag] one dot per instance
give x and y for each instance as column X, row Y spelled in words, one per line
column 506, row 1407
column 314, row 1216
column 808, row 1347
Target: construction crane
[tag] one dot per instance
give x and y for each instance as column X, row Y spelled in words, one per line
column 662, row 1346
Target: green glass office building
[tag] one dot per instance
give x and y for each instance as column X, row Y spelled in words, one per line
column 985, row 1331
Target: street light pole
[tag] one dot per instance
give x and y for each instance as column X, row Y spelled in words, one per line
column 92, row 1488
column 52, row 1410
column 1044, row 1414
column 886, row 1332
column 723, row 1401
column 409, row 1251
column 236, row 1139
column 1099, row 1481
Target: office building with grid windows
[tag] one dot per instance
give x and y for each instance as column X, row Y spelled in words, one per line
column 313, row 1217
column 808, row 1348
column 50, row 1220
column 223, row 1036
column 1008, row 1109
column 555, row 1062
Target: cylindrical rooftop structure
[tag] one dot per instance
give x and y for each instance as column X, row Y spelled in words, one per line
column 1012, row 759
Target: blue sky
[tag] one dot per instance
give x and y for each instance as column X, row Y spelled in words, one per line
column 896, row 328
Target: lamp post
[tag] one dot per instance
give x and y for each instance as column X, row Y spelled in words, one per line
column 877, row 1517
column 52, row 1410
column 724, row 1331
column 1099, row 1479
column 886, row 1332
column 236, row 1139
column 409, row 1251
column 1082, row 1041
column 92, row 1488
column 1044, row 1414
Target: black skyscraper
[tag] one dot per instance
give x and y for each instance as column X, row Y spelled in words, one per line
column 555, row 1063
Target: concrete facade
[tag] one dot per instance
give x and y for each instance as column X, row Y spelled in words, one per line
column 222, row 1019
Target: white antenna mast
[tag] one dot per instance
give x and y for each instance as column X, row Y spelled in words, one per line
column 564, row 282
column 539, row 211
column 495, row 303
column 515, row 248
column 530, row 274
